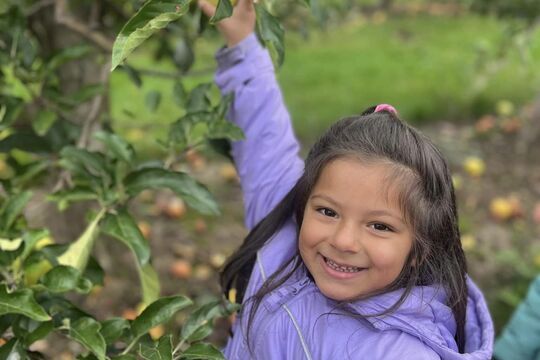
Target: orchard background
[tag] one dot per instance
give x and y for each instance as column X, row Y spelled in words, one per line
column 89, row 156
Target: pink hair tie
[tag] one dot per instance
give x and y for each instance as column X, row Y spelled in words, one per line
column 386, row 107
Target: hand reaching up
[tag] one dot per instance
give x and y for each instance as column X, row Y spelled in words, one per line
column 237, row 27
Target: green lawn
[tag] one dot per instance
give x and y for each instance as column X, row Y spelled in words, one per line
column 425, row 66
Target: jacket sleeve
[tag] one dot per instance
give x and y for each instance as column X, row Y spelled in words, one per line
column 521, row 337
column 267, row 160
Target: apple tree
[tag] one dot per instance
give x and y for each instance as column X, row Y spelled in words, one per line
column 57, row 136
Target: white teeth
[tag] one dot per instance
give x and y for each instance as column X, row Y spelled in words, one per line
column 335, row 266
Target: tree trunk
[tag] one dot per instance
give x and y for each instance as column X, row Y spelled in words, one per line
column 73, row 75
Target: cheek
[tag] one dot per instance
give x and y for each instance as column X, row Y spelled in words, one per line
column 391, row 257
column 309, row 233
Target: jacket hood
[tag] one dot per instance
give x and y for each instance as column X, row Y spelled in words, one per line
column 425, row 315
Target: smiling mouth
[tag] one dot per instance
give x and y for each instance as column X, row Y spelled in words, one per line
column 341, row 268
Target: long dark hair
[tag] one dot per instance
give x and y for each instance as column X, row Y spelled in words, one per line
column 426, row 198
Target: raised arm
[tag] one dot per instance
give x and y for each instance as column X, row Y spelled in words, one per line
column 267, row 160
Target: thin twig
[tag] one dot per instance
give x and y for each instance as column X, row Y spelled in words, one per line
column 62, row 17
column 93, row 113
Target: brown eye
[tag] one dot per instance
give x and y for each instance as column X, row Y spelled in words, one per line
column 381, row 227
column 327, row 212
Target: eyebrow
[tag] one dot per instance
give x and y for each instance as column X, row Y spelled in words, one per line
column 372, row 213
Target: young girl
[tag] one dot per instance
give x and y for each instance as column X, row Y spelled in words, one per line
column 355, row 254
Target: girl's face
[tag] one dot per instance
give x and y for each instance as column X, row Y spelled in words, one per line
column 354, row 239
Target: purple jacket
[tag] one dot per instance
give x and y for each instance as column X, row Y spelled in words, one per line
column 296, row 321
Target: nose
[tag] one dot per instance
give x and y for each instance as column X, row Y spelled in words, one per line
column 346, row 237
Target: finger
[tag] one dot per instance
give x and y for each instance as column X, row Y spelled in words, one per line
column 207, row 8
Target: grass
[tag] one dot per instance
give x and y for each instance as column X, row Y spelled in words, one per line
column 425, row 66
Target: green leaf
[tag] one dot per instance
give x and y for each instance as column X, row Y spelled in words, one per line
column 86, row 331
column 22, row 326
column 224, row 9
column 12, row 208
column 112, row 329
column 43, row 121
column 13, row 350
column 21, row 302
column 194, row 194
column 29, row 172
column 157, row 313
column 199, row 99
column 152, row 100
column 180, row 94
column 149, row 283
column 199, row 324
column 179, row 133
column 223, row 106
column 78, row 252
column 6, row 321
column 183, row 56
column 117, row 146
column 25, row 141
column 271, row 34
column 151, row 17
column 10, row 244
column 124, row 228
column 201, row 351
column 62, row 133
column 223, row 129
column 64, row 198
column 10, row 249
column 62, row 310
column 162, row 350
column 30, row 238
column 10, row 108
column 93, row 162
column 39, row 333
column 62, row 278
column 94, row 272
column 12, row 85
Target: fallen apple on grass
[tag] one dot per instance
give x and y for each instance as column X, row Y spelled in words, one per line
column 181, row 269
column 175, row 208
column 501, row 209
column 474, row 166
column 217, row 260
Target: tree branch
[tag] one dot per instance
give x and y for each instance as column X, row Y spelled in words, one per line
column 62, row 17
